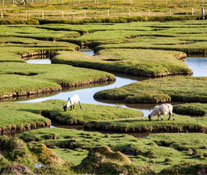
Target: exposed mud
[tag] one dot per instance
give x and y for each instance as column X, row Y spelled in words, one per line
column 39, row 53
column 12, row 130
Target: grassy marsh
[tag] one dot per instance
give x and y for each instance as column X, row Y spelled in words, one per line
column 184, row 89
column 157, row 151
column 192, row 109
column 31, row 79
column 15, row 116
column 129, row 61
column 143, row 125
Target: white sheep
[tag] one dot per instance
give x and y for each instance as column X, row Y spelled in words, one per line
column 71, row 102
column 163, row 109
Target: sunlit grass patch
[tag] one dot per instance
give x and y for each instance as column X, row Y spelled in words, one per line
column 143, row 125
column 185, row 89
column 129, row 61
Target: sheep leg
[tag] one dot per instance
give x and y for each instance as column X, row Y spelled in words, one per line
column 74, row 106
column 173, row 116
column 71, row 107
column 80, row 105
column 169, row 116
column 158, row 117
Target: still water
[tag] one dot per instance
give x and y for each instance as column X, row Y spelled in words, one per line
column 198, row 65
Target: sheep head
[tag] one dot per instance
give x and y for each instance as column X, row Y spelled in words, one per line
column 150, row 117
column 65, row 108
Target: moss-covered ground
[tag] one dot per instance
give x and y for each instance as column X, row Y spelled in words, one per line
column 155, row 153
column 184, row 89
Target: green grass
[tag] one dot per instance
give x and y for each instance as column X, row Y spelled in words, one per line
column 90, row 112
column 184, row 89
column 157, row 151
column 35, row 79
column 34, row 32
column 143, row 125
column 21, row 115
column 20, row 157
column 193, row 109
column 129, row 61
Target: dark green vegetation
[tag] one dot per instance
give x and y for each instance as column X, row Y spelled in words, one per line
column 160, row 152
column 129, row 61
column 143, row 125
column 18, row 157
column 17, row 117
column 192, row 109
column 185, row 89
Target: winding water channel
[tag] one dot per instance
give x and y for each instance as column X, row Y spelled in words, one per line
column 197, row 64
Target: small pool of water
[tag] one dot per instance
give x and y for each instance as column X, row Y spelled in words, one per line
column 38, row 165
column 198, row 65
column 39, row 61
column 87, row 51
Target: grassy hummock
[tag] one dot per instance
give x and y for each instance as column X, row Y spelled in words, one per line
column 36, row 79
column 192, row 109
column 143, row 125
column 149, row 63
column 184, row 89
column 157, row 152
column 18, row 157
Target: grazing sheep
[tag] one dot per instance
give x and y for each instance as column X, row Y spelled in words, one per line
column 71, row 102
column 163, row 109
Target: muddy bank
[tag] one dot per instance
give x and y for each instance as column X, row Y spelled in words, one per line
column 84, row 83
column 39, row 53
column 31, row 93
column 125, row 126
column 12, row 130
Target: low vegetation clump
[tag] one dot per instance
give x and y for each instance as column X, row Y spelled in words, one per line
column 184, row 89
column 18, row 157
column 129, row 61
column 185, row 169
column 192, row 109
column 143, row 125
column 89, row 152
